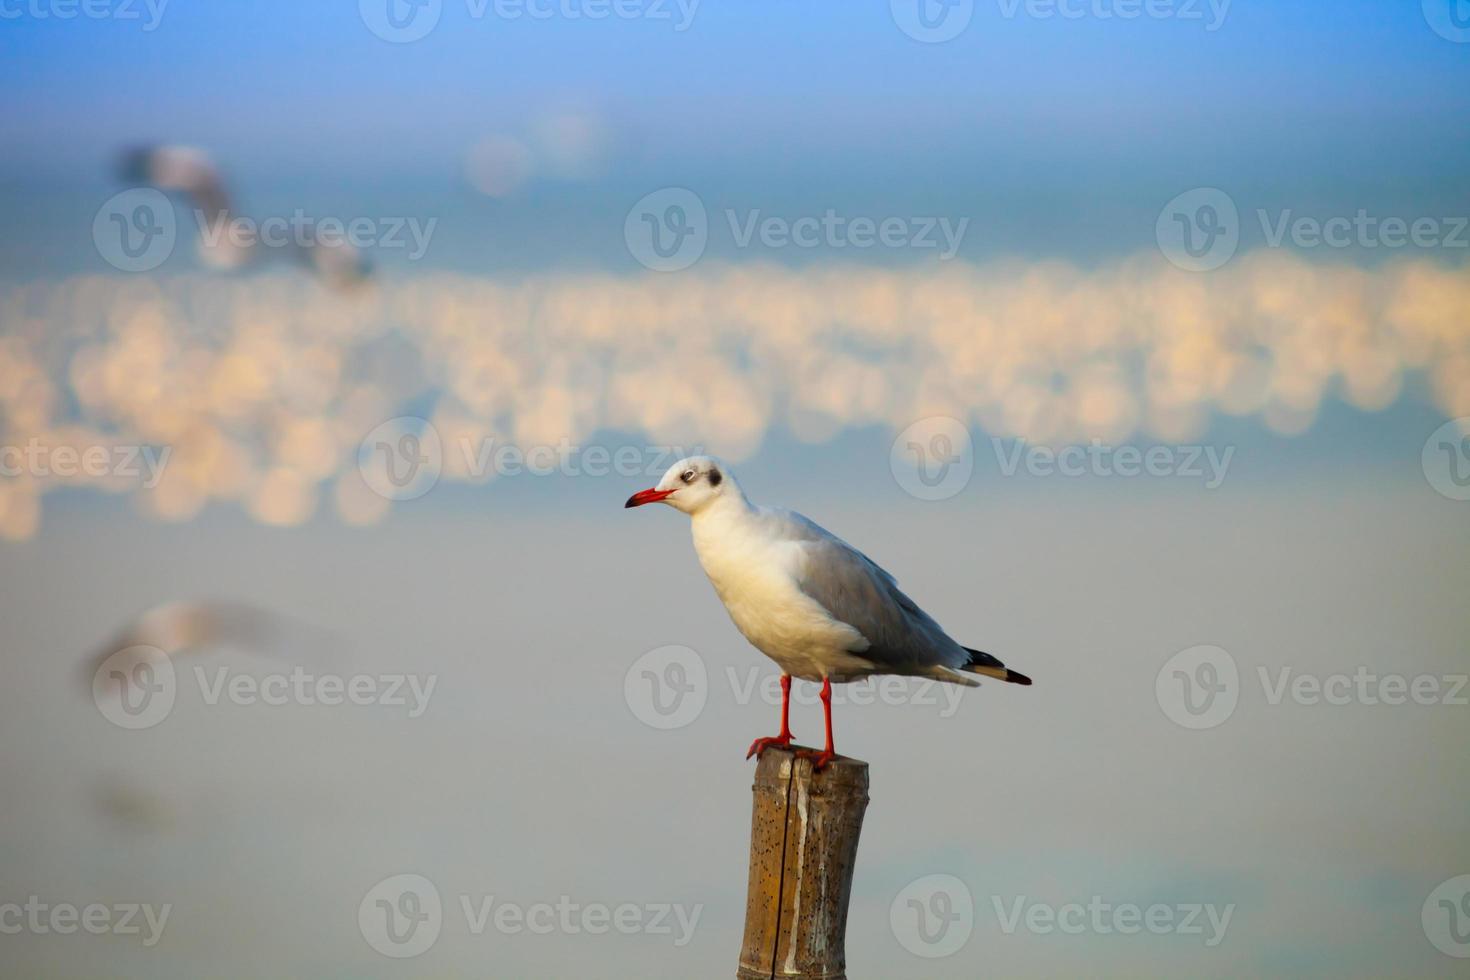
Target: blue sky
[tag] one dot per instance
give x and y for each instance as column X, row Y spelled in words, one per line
column 1059, row 137
column 1278, row 89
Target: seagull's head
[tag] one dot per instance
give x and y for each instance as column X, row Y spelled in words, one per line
column 690, row 485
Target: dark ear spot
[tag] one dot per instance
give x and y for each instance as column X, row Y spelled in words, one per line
column 714, row 477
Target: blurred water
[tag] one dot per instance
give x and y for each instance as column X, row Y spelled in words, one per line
column 529, row 777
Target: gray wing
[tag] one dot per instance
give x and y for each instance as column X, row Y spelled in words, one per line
column 854, row 590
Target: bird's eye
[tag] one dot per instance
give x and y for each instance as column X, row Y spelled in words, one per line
column 687, row 476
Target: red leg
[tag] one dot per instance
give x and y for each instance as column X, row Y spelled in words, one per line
column 784, row 739
column 820, row 759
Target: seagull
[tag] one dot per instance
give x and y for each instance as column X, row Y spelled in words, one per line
column 190, row 171
column 818, row 607
column 193, row 626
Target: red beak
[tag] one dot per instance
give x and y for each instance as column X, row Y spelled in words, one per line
column 647, row 497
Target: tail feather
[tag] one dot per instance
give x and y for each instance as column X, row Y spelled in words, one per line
column 988, row 666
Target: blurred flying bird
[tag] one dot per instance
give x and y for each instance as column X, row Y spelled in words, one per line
column 188, row 627
column 189, row 171
column 807, row 599
column 181, row 626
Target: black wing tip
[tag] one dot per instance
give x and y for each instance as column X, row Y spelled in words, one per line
column 979, row 658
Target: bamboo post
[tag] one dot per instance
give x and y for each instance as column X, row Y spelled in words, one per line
column 803, row 845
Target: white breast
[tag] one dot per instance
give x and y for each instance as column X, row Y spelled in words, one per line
column 754, row 576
